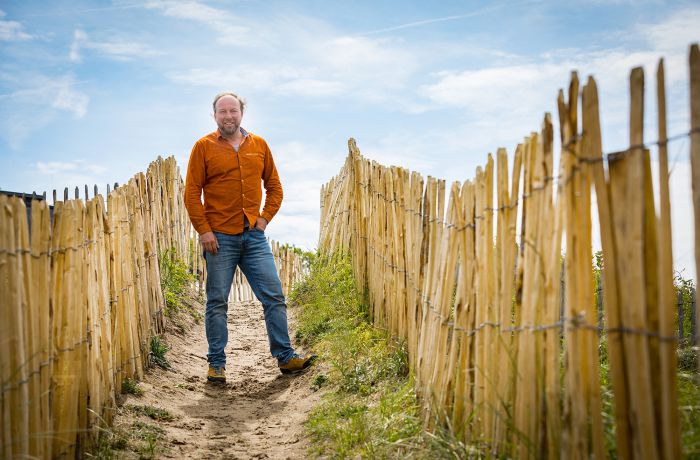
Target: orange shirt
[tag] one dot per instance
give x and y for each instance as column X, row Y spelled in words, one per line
column 231, row 182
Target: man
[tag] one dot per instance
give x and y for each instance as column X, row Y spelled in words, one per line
column 228, row 165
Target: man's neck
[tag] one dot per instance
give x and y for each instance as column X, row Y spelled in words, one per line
column 233, row 139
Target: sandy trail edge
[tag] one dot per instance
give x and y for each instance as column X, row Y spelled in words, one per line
column 258, row 413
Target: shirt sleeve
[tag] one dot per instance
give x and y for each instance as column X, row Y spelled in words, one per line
column 196, row 176
column 273, row 187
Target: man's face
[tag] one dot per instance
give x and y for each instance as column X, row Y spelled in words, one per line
column 228, row 115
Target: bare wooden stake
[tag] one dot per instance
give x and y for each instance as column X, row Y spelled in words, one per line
column 694, row 59
column 670, row 417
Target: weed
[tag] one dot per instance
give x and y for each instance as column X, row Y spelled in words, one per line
column 330, row 298
column 156, row 413
column 131, row 387
column 108, row 441
column 174, row 281
column 688, row 359
column 158, row 350
column 319, row 381
column 689, row 403
column 140, row 438
column 147, row 437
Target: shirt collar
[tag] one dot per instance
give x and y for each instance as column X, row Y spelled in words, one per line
column 243, row 131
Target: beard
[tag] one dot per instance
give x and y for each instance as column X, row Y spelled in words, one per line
column 229, row 130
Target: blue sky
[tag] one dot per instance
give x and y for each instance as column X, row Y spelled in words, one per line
column 92, row 91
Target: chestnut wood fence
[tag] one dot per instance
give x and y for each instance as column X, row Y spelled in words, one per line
column 470, row 277
column 81, row 299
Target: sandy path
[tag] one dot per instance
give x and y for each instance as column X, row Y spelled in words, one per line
column 258, row 413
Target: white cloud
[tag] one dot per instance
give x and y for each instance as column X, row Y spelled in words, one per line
column 24, row 110
column 115, row 48
column 52, row 167
column 227, row 26
column 297, row 157
column 367, row 67
column 77, row 166
column 12, row 30
column 67, row 98
column 300, row 231
column 681, row 28
column 79, row 37
column 249, row 78
column 311, row 87
column 425, row 22
column 405, row 149
column 298, row 55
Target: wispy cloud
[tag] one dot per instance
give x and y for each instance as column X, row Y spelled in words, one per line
column 80, row 166
column 456, row 17
column 311, row 87
column 330, row 66
column 425, row 22
column 680, row 28
column 24, row 110
column 249, row 78
column 117, row 48
column 221, row 21
column 486, row 93
column 71, row 100
column 12, row 30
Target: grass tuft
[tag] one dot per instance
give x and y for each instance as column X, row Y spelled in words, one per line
column 156, row 413
column 158, row 350
column 142, row 439
column 131, row 387
column 319, row 381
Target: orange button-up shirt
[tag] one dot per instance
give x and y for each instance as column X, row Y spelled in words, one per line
column 231, row 183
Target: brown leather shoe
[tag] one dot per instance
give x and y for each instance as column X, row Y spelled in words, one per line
column 297, row 364
column 216, row 374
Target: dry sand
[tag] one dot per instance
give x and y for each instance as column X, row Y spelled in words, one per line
column 258, row 413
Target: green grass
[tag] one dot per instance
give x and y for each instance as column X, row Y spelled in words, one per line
column 370, row 409
column 158, row 350
column 142, row 440
column 176, row 283
column 688, row 402
column 156, row 413
column 131, row 387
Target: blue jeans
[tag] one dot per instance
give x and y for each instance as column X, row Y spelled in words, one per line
column 250, row 251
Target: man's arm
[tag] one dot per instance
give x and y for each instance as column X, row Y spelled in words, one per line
column 273, row 188
column 194, row 182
